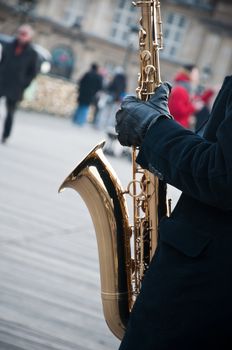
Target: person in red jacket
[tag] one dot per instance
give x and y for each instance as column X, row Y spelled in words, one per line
column 180, row 102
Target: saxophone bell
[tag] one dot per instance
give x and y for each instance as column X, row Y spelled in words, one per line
column 96, row 182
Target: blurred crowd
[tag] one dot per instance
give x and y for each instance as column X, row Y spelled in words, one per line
column 99, row 92
column 189, row 103
column 190, row 100
column 104, row 92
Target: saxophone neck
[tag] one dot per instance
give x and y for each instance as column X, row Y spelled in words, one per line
column 150, row 42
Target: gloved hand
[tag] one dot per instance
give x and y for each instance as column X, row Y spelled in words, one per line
column 135, row 116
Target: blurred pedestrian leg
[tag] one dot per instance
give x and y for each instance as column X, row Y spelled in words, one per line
column 11, row 106
column 80, row 116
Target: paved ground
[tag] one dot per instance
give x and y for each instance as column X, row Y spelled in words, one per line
column 49, row 277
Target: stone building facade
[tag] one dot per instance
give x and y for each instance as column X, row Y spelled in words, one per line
column 79, row 32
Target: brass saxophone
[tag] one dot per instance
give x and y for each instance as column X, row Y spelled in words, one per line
column 121, row 267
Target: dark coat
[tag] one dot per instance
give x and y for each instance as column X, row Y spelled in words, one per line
column 186, row 299
column 17, row 71
column 89, row 85
column 117, row 88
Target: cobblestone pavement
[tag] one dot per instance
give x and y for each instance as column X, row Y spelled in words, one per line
column 49, row 275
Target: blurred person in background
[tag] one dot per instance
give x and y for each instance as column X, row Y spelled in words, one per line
column 181, row 102
column 117, row 91
column 18, row 67
column 110, row 99
column 101, row 97
column 203, row 114
column 90, row 83
column 117, row 87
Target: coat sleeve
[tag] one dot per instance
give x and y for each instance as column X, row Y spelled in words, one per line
column 32, row 69
column 199, row 168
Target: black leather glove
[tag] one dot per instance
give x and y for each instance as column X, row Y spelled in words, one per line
column 135, row 116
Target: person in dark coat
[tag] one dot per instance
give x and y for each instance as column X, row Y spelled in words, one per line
column 185, row 302
column 18, row 67
column 89, row 85
column 181, row 104
column 118, row 86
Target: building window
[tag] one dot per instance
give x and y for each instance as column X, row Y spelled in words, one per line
column 196, row 2
column 74, row 12
column 204, row 4
column 175, row 25
column 124, row 17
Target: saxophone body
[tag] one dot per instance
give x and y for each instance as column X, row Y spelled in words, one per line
column 122, row 267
